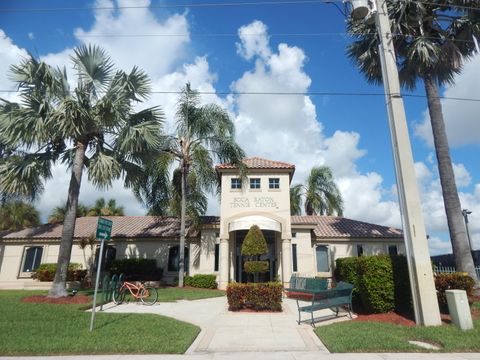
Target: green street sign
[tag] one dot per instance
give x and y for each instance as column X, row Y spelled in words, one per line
column 104, row 229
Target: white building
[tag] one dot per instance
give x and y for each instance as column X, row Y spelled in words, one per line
column 306, row 245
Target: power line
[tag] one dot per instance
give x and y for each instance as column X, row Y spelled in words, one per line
column 293, row 93
column 166, row 6
column 213, row 5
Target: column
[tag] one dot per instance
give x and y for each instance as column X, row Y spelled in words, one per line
column 286, row 261
column 223, row 264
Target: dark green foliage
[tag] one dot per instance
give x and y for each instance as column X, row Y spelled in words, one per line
column 204, row 281
column 137, row 269
column 46, row 272
column 252, row 267
column 376, row 283
column 262, row 296
column 381, row 282
column 346, row 270
column 458, row 281
column 254, row 243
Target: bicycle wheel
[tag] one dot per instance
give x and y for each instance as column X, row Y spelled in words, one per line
column 118, row 296
column 149, row 295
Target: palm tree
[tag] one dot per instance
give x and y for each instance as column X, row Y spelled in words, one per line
column 58, row 213
column 91, row 127
column 101, row 208
column 18, row 215
column 431, row 40
column 322, row 196
column 203, row 134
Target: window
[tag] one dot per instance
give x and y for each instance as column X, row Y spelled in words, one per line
column 109, row 254
column 255, row 183
column 392, row 250
column 236, row 183
column 294, row 234
column 359, row 250
column 294, row 257
column 217, row 256
column 32, row 258
column 174, row 259
column 322, row 259
column 274, row 183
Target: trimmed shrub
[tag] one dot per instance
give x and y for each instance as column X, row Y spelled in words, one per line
column 254, row 243
column 255, row 296
column 201, row 281
column 376, row 283
column 256, row 266
column 137, row 269
column 381, row 282
column 458, row 281
column 46, row 272
column 346, row 270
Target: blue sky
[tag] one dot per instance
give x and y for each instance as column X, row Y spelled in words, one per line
column 220, row 53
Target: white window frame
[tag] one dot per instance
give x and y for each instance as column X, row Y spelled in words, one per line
column 254, row 181
column 274, row 183
column 237, row 182
column 328, row 259
column 27, row 274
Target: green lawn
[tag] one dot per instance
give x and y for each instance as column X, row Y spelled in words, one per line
column 41, row 329
column 174, row 293
column 352, row 336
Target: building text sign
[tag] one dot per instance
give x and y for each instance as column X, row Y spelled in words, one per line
column 256, row 202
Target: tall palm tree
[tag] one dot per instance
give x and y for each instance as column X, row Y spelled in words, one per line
column 321, row 193
column 203, row 134
column 431, row 39
column 92, row 127
column 58, row 213
column 18, row 215
column 102, row 208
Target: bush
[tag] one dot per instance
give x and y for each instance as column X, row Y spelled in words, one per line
column 201, row 281
column 137, row 269
column 459, row 281
column 256, row 266
column 381, row 282
column 254, row 243
column 46, row 272
column 255, row 296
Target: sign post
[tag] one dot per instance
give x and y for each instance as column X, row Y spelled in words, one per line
column 104, row 232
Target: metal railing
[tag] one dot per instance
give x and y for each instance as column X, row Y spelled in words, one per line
column 451, row 269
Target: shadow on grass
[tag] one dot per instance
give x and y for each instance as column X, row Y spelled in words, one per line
column 106, row 323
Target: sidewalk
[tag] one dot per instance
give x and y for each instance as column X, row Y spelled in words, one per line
column 310, row 355
column 226, row 331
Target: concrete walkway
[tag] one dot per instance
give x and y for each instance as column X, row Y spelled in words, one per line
column 226, row 331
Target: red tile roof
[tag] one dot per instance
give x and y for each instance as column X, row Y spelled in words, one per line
column 324, row 227
column 331, row 227
column 258, row 163
column 123, row 227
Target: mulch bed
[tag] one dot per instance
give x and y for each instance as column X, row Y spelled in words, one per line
column 43, row 299
column 390, row 318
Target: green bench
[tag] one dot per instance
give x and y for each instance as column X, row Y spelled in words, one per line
column 320, row 299
column 299, row 284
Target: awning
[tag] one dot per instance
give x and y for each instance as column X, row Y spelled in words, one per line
column 262, row 222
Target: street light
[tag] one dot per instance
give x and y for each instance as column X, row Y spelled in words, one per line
column 420, row 270
column 465, row 213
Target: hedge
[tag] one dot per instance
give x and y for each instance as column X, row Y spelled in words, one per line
column 46, row 272
column 381, row 282
column 255, row 296
column 137, row 269
column 201, row 281
column 459, row 281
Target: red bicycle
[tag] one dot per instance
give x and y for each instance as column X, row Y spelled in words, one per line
column 148, row 295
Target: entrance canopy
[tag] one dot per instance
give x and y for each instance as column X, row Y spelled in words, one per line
column 262, row 222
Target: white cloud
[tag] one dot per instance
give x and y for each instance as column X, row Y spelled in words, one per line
column 154, row 54
column 439, row 246
column 462, row 176
column 254, row 40
column 10, row 54
column 461, row 117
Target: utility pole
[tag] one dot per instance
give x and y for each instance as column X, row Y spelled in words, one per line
column 420, row 269
column 465, row 213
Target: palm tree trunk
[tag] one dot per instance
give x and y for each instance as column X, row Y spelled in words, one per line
column 183, row 211
column 58, row 288
column 456, row 226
